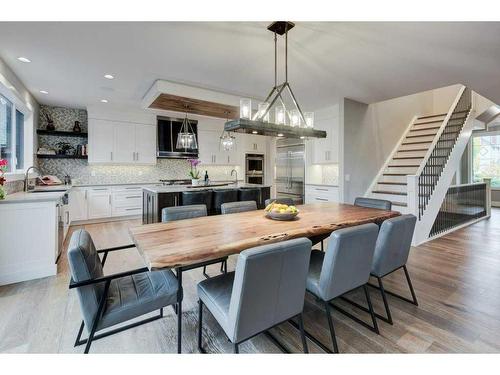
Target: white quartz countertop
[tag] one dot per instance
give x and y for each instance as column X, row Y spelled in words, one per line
column 41, row 194
column 212, row 186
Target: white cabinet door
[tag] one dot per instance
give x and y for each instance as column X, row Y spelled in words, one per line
column 99, row 203
column 124, row 143
column 78, row 204
column 101, row 136
column 145, row 144
column 326, row 150
column 208, row 145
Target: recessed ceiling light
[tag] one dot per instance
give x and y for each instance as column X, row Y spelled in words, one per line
column 108, row 76
column 255, row 132
column 302, row 137
column 280, row 135
column 104, row 100
column 24, row 59
column 43, row 92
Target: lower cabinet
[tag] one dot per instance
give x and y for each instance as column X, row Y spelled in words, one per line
column 99, row 203
column 321, row 193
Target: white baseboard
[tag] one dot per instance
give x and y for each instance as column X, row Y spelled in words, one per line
column 33, row 272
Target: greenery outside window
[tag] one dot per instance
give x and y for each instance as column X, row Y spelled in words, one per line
column 486, row 158
column 11, row 135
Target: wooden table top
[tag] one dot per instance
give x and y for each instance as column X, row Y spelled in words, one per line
column 186, row 242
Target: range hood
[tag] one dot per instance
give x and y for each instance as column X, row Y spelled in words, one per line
column 273, row 130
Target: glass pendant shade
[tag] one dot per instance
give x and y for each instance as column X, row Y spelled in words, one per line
column 227, row 141
column 295, row 118
column 280, row 115
column 186, row 139
column 309, row 117
column 246, row 108
column 262, row 109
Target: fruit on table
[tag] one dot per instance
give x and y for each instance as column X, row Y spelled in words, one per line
column 281, row 208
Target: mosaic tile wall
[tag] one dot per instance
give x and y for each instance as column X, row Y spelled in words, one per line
column 82, row 173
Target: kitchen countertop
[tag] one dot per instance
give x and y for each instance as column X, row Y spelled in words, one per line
column 213, row 186
column 48, row 194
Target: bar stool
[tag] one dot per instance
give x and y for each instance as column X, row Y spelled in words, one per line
column 249, row 194
column 222, row 196
column 198, row 197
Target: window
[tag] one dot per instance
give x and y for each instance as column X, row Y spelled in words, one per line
column 11, row 135
column 486, row 158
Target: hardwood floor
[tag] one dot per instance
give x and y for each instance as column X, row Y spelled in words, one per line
column 456, row 279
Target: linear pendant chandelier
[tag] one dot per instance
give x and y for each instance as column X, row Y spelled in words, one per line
column 288, row 122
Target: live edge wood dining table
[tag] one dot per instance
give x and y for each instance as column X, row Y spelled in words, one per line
column 192, row 243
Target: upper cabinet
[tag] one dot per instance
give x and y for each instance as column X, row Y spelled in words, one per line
column 326, row 150
column 254, row 143
column 116, row 142
column 210, row 151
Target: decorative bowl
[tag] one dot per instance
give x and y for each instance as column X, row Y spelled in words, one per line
column 284, row 217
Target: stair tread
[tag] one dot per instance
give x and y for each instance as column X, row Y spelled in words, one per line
column 441, row 114
column 394, row 174
column 420, row 135
column 388, row 192
column 407, row 157
column 392, row 183
column 423, row 130
column 416, row 143
column 404, row 166
column 415, row 149
column 428, row 122
column 402, row 204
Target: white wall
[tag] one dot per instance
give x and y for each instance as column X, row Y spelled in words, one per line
column 12, row 88
column 372, row 131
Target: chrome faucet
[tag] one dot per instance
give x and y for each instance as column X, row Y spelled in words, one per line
column 234, row 170
column 26, row 178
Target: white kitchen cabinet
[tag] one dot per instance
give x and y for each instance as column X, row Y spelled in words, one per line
column 126, row 200
column 78, row 204
column 255, row 143
column 321, row 193
column 124, row 143
column 101, row 135
column 99, row 202
column 326, row 150
column 145, row 144
column 210, row 152
column 115, row 142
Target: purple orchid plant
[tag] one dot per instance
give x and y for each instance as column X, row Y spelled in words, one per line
column 194, row 172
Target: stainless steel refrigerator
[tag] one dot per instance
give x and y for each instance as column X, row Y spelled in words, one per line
column 290, row 169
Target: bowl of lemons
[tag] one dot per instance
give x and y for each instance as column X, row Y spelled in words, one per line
column 277, row 211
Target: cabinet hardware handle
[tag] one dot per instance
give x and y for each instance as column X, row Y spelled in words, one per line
column 133, row 196
column 136, row 156
column 86, row 191
column 111, row 155
column 320, row 189
column 321, row 199
column 133, row 188
column 132, row 209
column 96, row 189
column 67, row 217
column 109, row 199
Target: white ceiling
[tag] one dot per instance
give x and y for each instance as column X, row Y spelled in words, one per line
column 367, row 62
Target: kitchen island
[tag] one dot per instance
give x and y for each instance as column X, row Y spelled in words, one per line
column 156, row 198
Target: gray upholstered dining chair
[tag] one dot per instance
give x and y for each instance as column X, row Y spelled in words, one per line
column 189, row 212
column 106, row 301
column 381, row 204
column 267, row 289
column 287, row 201
column 391, row 253
column 235, row 207
column 344, row 266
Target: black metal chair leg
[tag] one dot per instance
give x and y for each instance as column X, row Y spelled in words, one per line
column 161, row 312
column 78, row 337
column 322, row 249
column 415, row 302
column 200, row 326
column 179, row 310
column 384, row 298
column 303, row 334
column 370, row 307
column 236, row 349
column 332, row 330
column 205, row 272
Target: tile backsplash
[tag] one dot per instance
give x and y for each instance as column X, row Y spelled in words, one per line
column 83, row 173
column 322, row 174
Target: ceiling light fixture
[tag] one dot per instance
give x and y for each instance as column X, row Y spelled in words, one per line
column 186, row 138
column 227, row 141
column 109, row 76
column 288, row 122
column 44, row 92
column 24, row 59
column 104, row 100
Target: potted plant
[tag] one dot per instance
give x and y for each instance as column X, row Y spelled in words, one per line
column 3, row 169
column 194, row 172
column 64, row 148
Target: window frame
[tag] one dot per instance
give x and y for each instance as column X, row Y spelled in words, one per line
column 471, row 154
column 17, row 105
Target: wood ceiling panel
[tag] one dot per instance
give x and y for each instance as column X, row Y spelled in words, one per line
column 199, row 107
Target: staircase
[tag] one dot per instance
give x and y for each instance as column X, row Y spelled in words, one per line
column 418, row 173
column 391, row 183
